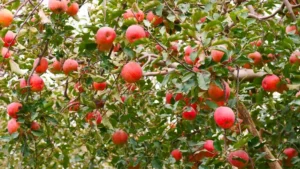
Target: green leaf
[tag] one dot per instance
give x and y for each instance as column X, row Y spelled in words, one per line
column 37, row 133
column 217, row 145
column 34, row 115
column 203, row 81
column 157, row 163
column 129, row 52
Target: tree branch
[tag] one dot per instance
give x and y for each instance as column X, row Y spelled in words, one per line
column 252, row 15
column 290, row 9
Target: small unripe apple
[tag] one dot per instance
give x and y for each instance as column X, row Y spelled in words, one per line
column 139, row 16
column 9, row 39
column 291, row 29
column 78, row 87
column 135, row 32
column 43, row 65
column 6, row 17
column 36, row 83
column 69, row 66
column 155, row 20
column 209, row 147
column 270, row 83
column 217, row 55
column 12, row 126
column 189, row 113
column 58, row 6
column 93, row 116
column 132, row 72
column 217, row 94
column 35, row 126
column 224, row 117
column 119, row 137
column 73, row 9
column 5, row 52
column 13, row 109
column 99, row 86
column 105, row 35
column 176, row 154
column 238, row 158
column 256, row 57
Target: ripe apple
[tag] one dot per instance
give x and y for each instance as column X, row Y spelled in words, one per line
column 158, row 48
column 169, row 98
column 6, row 17
column 238, row 158
column 247, row 66
column 209, row 147
column 139, row 16
column 78, row 87
column 5, row 52
column 104, row 47
column 203, row 19
column 36, row 83
column 294, row 58
column 290, row 152
column 189, row 113
column 178, row 96
column 256, row 43
column 132, row 72
column 56, row 66
column 95, row 115
column 73, row 9
column 270, row 83
column 58, row 6
column 155, row 20
column 12, row 125
column 35, row 126
column 105, row 35
column 217, row 55
column 43, row 65
column 224, row 117
column 123, row 98
column 117, row 47
column 291, row 29
column 13, row 109
column 256, row 57
column 74, row 105
column 217, row 94
column 69, row 66
column 99, row 86
column 9, row 39
column 119, row 137
column 176, row 154
column 23, row 85
column 135, row 32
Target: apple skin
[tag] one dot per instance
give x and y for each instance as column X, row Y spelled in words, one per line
column 224, row 117
column 135, row 32
column 99, row 86
column 5, row 52
column 35, row 126
column 13, row 109
column 291, row 29
column 36, row 83
column 217, row 94
column 187, row 52
column 23, row 85
column 123, row 98
column 56, row 66
column 78, row 87
column 73, row 9
column 132, row 72
column 178, row 96
column 12, row 126
column 189, row 113
column 104, row 47
column 75, row 105
column 294, row 58
column 169, row 98
column 105, row 35
column 209, row 147
column 119, row 137
column 58, row 6
column 238, row 158
column 203, row 19
column 176, row 154
column 270, row 83
column 217, row 55
column 257, row 43
column 290, row 153
column 6, row 17
column 93, row 116
column 117, row 47
column 139, row 16
column 69, row 66
column 155, row 20
column 158, row 48
column 43, row 65
column 256, row 57
column 9, row 39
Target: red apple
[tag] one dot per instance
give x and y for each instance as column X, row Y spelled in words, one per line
column 117, row 47
column 23, row 85
column 130, row 86
column 294, row 58
column 256, row 43
column 189, row 113
column 13, row 109
column 74, row 105
column 155, row 20
column 12, row 126
column 270, row 83
column 69, row 66
column 35, row 126
column 135, row 32
column 176, row 154
column 209, row 147
column 93, row 116
column 123, row 98
column 5, row 52
column 203, row 19
column 169, row 98
column 139, row 16
column 9, row 39
column 298, row 94
column 43, row 65
column 6, row 17
column 105, row 35
column 290, row 152
column 99, row 86
column 256, row 57
column 36, row 83
column 238, row 158
column 291, row 29
column 73, row 9
column 217, row 55
column 78, row 87
column 158, row 48
column 104, row 47
column 56, row 67
column 58, row 6
column 224, row 117
column 217, row 94
column 178, row 96
column 132, row 72
column 119, row 137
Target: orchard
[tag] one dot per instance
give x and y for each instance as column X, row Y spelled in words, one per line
column 198, row 84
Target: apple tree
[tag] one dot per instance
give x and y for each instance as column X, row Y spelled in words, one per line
column 149, row 84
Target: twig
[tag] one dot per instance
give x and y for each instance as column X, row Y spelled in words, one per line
column 237, row 95
column 20, row 7
column 172, row 11
column 164, row 72
column 66, row 89
column 290, row 9
column 251, row 15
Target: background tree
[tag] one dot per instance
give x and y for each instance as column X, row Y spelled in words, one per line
column 149, row 84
